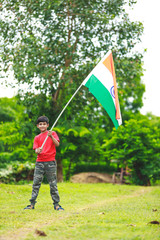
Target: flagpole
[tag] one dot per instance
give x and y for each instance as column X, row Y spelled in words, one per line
column 61, row 113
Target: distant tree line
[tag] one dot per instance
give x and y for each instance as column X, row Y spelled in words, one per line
column 135, row 145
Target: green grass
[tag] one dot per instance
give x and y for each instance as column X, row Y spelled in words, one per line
column 92, row 211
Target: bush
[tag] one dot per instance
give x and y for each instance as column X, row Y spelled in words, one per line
column 5, row 159
column 17, row 172
column 137, row 146
column 93, row 167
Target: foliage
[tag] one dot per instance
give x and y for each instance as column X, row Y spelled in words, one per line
column 15, row 142
column 15, row 134
column 137, row 146
column 17, row 172
column 92, row 211
column 131, row 89
column 79, row 146
column 10, row 110
column 53, row 45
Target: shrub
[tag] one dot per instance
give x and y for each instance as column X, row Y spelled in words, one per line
column 137, row 146
column 17, row 172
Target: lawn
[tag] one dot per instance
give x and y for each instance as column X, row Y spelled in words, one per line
column 92, row 211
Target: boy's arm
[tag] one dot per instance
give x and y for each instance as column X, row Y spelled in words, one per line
column 56, row 143
column 36, row 146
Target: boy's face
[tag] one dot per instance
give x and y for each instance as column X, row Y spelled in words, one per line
column 43, row 126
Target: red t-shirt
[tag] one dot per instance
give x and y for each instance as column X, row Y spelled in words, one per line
column 49, row 150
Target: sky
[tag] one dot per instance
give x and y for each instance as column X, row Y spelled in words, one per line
column 147, row 12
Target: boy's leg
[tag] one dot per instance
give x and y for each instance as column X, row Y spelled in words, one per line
column 37, row 180
column 51, row 174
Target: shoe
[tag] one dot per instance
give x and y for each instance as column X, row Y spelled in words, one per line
column 30, row 207
column 59, row 208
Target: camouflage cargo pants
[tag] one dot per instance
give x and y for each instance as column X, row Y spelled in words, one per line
column 49, row 169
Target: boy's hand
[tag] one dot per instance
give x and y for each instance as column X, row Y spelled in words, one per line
column 53, row 139
column 49, row 133
column 38, row 150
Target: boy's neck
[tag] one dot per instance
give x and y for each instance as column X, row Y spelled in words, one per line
column 44, row 131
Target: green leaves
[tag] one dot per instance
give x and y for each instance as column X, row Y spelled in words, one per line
column 52, row 46
column 53, row 40
column 137, row 146
column 15, row 133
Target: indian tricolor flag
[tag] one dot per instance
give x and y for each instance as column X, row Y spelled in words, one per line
column 101, row 82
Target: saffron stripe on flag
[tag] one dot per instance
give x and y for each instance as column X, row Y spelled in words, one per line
column 109, row 64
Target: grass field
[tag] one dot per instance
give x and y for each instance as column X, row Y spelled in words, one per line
column 92, row 211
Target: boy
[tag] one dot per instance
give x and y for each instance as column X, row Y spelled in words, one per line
column 45, row 163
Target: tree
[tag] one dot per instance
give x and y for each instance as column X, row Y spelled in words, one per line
column 16, row 133
column 53, row 45
column 137, row 146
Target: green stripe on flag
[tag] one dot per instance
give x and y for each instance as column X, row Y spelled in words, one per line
column 103, row 96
